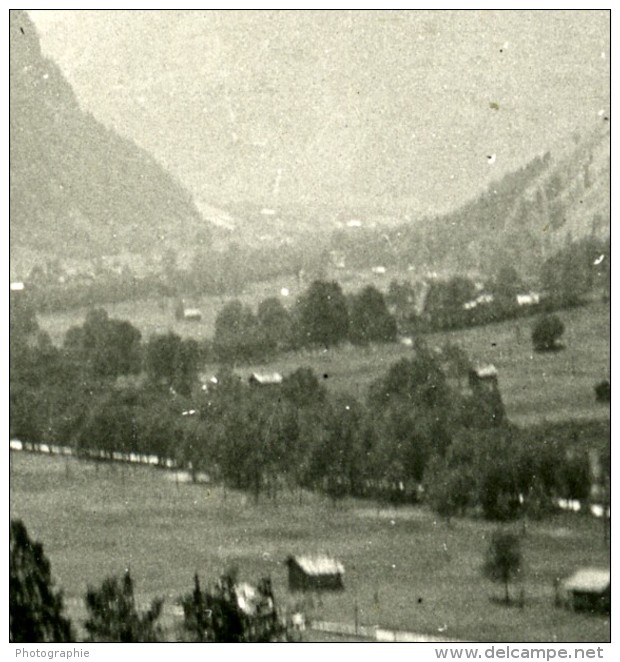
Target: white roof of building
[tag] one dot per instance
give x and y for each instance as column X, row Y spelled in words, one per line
column 250, row 600
column 593, row 580
column 267, row 378
column 192, row 312
column 319, row 565
column 486, row 370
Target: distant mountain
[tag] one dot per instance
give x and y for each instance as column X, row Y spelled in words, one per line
column 77, row 188
column 521, row 219
column 532, row 213
column 340, row 109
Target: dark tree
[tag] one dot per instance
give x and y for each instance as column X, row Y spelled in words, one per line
column 303, row 388
column 275, row 322
column 238, row 335
column 572, row 272
column 445, row 299
column 496, row 461
column 109, row 347
column 547, row 332
column 505, row 287
column 419, row 381
column 337, row 459
column 172, row 362
column 35, row 609
column 574, row 476
column 369, row 318
column 456, row 361
column 450, row 481
column 113, row 616
column 25, row 411
column 602, row 391
column 323, row 315
column 504, row 560
column 197, row 616
column 110, row 424
column 218, row 615
column 412, row 408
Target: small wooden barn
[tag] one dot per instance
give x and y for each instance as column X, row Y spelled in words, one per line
column 265, row 379
column 186, row 313
column 587, row 589
column 317, row 573
column 483, row 377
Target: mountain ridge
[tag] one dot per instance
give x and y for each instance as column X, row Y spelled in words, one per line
column 78, row 188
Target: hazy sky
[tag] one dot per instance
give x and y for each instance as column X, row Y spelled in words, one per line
column 358, row 105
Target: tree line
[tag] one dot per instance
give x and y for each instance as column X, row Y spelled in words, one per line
column 564, row 281
column 423, row 431
column 323, row 316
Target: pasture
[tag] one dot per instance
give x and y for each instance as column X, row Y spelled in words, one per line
column 404, row 569
column 536, row 387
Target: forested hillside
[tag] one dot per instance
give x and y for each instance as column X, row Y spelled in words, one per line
column 523, row 219
column 77, row 188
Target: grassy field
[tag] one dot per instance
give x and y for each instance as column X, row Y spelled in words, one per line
column 535, row 387
column 404, row 569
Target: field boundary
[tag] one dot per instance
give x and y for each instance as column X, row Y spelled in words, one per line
column 594, row 509
column 378, row 633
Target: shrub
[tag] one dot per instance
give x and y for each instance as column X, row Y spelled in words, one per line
column 546, row 333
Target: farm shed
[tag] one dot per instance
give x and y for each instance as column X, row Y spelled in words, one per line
column 318, row 573
column 192, row 315
column 587, row 589
column 265, row 379
column 186, row 313
column 483, row 376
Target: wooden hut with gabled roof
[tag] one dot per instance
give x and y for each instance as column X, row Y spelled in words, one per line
column 314, row 573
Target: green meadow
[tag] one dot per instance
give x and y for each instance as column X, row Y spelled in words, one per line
column 535, row 387
column 404, row 569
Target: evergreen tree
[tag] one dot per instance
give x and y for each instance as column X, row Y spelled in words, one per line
column 113, row 616
column 35, row 609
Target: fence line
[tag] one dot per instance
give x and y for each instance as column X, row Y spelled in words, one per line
column 377, row 633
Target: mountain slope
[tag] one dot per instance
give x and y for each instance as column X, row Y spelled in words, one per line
column 521, row 219
column 77, row 188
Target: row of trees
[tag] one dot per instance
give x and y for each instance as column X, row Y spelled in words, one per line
column 460, row 302
column 418, row 432
column 37, row 611
column 323, row 316
column 564, row 279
